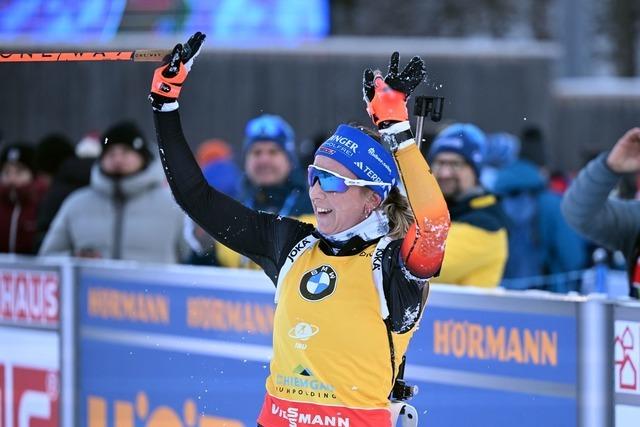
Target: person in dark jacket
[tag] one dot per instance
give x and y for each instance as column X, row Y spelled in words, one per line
column 272, row 181
column 541, row 242
column 20, row 195
column 610, row 222
column 73, row 174
column 51, row 152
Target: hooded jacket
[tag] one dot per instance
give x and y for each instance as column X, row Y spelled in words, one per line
column 132, row 218
column 540, row 240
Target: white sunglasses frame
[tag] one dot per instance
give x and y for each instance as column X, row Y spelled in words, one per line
column 350, row 181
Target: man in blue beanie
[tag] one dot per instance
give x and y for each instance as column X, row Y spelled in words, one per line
column 477, row 246
column 272, row 181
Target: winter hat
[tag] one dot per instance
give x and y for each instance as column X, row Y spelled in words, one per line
column 365, row 157
column 19, row 153
column 89, row 147
column 51, row 152
column 126, row 133
column 213, row 150
column 502, row 149
column 464, row 139
column 224, row 176
column 269, row 127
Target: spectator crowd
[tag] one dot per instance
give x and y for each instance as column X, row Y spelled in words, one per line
column 106, row 197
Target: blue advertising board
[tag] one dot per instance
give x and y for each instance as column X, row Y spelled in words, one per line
column 191, row 347
column 495, row 360
column 164, row 349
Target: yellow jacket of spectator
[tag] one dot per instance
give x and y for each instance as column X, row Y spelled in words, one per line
column 477, row 246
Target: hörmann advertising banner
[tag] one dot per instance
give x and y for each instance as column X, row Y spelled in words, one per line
column 495, row 360
column 165, row 349
column 187, row 348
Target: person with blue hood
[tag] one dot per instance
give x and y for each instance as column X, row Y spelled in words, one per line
column 359, row 279
column 541, row 243
column 501, row 150
column 477, row 246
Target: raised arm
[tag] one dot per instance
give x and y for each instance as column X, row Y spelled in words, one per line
column 587, row 207
column 262, row 237
column 423, row 246
column 422, row 249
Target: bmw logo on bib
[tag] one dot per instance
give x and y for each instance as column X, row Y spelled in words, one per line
column 318, row 283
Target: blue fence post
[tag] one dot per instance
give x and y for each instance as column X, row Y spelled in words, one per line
column 601, row 269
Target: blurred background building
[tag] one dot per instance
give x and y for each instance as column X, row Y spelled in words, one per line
column 565, row 66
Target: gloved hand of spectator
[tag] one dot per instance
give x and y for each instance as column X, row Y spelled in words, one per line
column 625, row 155
column 386, row 97
column 170, row 76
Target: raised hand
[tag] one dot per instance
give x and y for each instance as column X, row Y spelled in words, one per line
column 410, row 77
column 625, row 155
column 169, row 77
column 386, row 96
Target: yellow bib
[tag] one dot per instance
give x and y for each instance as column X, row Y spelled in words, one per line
column 330, row 342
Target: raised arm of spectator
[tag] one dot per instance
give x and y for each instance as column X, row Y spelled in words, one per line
column 587, row 207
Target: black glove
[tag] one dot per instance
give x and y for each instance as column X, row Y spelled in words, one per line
column 406, row 82
column 170, row 76
column 386, row 98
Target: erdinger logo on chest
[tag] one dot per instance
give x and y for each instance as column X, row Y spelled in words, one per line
column 318, row 283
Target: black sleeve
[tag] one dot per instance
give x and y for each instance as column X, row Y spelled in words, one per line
column 404, row 295
column 262, row 237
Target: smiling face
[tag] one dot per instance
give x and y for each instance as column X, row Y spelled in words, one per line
column 337, row 212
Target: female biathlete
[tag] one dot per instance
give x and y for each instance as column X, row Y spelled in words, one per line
column 350, row 292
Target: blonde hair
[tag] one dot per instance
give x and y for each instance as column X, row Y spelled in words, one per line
column 396, row 207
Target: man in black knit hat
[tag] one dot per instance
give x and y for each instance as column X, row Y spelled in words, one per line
column 126, row 212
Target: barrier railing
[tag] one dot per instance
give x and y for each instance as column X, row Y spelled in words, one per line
column 114, row 344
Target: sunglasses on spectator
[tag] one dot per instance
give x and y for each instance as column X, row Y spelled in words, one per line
column 333, row 182
column 265, row 127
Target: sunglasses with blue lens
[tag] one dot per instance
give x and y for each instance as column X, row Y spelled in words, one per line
column 333, row 182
